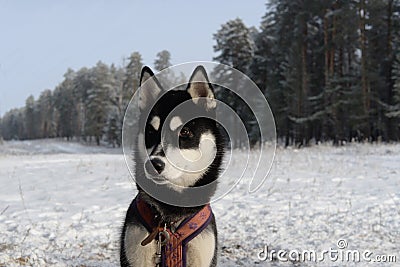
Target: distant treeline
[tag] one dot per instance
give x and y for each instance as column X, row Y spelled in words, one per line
column 89, row 104
column 329, row 69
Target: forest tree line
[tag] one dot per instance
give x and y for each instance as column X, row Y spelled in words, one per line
column 89, row 104
column 330, row 71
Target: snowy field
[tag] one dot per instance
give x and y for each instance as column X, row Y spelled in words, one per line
column 62, row 204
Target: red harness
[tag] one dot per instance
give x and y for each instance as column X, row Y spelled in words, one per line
column 174, row 243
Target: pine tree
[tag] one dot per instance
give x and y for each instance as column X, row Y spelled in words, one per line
column 166, row 77
column 97, row 103
column 82, row 82
column 393, row 109
column 65, row 104
column 30, row 118
column 118, row 101
column 380, row 62
column 342, row 102
column 131, row 79
column 235, row 47
column 267, row 68
column 46, row 124
column 163, row 60
column 13, row 125
column 284, row 65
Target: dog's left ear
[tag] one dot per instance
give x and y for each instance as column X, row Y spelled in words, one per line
column 200, row 89
column 150, row 88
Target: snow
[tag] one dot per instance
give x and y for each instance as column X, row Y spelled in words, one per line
column 63, row 204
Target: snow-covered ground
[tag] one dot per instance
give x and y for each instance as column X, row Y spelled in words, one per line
column 62, row 204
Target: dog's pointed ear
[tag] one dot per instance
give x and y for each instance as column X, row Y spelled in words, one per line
column 150, row 88
column 200, row 89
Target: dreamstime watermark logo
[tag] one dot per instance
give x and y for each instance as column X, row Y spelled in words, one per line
column 339, row 254
column 234, row 92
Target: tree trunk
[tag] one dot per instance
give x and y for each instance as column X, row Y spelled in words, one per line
column 304, row 79
column 364, row 74
column 326, row 72
column 390, row 123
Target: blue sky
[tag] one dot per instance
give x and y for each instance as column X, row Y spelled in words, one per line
column 40, row 39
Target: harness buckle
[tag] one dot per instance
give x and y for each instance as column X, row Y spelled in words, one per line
column 163, row 236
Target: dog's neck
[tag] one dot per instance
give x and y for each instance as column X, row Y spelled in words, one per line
column 169, row 214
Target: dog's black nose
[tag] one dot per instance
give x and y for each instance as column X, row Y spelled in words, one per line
column 158, row 165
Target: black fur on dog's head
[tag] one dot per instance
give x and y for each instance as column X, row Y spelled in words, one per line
column 177, row 151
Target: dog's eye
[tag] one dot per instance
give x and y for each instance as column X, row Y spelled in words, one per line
column 186, row 133
column 149, row 129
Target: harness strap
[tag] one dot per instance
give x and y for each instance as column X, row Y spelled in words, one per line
column 173, row 253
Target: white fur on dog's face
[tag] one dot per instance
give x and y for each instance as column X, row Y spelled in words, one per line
column 155, row 122
column 184, row 167
column 175, row 123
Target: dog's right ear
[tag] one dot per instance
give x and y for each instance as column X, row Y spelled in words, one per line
column 150, row 88
column 200, row 88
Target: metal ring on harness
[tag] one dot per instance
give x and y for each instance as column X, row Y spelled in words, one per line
column 164, row 237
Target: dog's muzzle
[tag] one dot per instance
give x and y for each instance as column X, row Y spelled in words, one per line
column 154, row 166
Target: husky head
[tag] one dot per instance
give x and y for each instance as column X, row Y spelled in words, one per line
column 178, row 150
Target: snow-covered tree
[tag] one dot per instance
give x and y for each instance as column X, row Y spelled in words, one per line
column 65, row 105
column 163, row 60
column 234, row 45
column 12, row 125
column 30, row 118
column 46, row 122
column 131, row 77
column 98, row 102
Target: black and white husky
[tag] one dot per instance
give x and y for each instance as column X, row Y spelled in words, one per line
column 141, row 241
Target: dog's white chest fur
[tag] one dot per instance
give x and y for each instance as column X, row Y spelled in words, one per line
column 200, row 250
